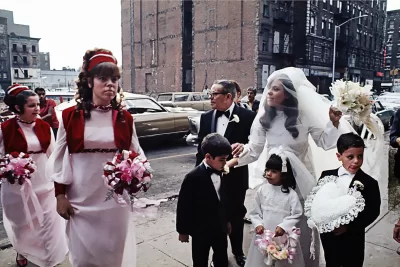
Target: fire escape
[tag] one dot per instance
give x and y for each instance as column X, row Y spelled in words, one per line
column 343, row 38
column 283, row 33
column 21, row 53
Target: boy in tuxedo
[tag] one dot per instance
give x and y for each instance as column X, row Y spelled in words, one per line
column 202, row 211
column 344, row 247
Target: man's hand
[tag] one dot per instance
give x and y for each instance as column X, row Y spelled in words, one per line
column 184, row 238
column 341, row 230
column 237, row 148
column 229, row 228
column 279, row 231
column 259, row 230
column 64, row 208
column 396, row 232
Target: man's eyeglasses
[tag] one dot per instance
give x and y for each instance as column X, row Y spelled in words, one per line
column 212, row 95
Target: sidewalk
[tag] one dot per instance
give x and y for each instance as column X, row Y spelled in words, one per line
column 158, row 245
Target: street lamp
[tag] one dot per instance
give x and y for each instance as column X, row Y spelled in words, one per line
column 334, row 43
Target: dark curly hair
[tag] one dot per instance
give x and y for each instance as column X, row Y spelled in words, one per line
column 287, row 178
column 19, row 100
column 84, row 95
column 290, row 108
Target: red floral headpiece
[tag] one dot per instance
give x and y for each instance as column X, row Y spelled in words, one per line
column 15, row 89
column 100, row 57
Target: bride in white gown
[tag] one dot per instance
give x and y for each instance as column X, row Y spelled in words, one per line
column 292, row 115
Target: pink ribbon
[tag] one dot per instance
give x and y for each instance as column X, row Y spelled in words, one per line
column 28, row 193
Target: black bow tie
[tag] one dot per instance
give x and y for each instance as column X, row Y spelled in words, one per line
column 211, row 171
column 226, row 113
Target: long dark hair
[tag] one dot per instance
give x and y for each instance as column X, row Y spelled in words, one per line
column 85, row 93
column 287, row 178
column 290, row 107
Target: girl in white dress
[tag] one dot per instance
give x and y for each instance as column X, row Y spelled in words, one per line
column 100, row 233
column 30, row 219
column 277, row 208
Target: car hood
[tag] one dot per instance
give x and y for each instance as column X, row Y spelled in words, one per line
column 183, row 110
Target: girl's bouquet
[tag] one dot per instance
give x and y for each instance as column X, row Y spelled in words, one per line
column 278, row 248
column 128, row 172
column 354, row 100
column 16, row 167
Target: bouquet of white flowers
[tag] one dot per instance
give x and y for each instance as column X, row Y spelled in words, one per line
column 354, row 100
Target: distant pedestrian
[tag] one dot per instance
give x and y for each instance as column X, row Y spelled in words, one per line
column 47, row 112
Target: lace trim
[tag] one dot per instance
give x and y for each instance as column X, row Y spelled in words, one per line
column 342, row 220
column 102, row 108
column 25, row 122
column 99, row 150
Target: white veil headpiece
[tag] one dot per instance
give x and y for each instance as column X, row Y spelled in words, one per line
column 304, row 180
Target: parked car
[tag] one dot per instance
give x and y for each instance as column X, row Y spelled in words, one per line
column 151, row 119
column 384, row 114
column 390, row 100
column 195, row 100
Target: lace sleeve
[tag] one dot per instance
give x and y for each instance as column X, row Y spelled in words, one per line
column 257, row 141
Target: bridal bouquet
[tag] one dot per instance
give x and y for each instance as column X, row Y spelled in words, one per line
column 354, row 100
column 16, row 167
column 129, row 172
column 277, row 248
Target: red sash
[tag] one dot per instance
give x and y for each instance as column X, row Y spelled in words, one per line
column 14, row 138
column 74, row 124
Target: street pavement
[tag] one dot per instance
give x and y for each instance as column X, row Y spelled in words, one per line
column 157, row 240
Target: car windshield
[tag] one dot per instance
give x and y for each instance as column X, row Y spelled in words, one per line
column 181, row 97
column 142, row 105
column 164, row 97
column 393, row 100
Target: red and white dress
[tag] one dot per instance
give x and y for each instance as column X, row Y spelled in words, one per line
column 101, row 233
column 30, row 218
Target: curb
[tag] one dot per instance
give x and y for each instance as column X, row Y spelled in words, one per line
column 5, row 243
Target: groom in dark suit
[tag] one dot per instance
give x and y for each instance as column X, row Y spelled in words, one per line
column 233, row 123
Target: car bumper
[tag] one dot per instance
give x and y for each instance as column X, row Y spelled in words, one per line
column 192, row 139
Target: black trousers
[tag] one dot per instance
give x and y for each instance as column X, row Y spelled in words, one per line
column 201, row 244
column 238, row 212
column 346, row 250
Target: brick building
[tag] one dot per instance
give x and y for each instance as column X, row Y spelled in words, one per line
column 186, row 45
column 392, row 57
column 359, row 44
column 5, row 75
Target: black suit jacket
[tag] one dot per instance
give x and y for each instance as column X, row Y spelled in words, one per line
column 395, row 129
column 237, row 179
column 256, row 105
column 372, row 199
column 199, row 209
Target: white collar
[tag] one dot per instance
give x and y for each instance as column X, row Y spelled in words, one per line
column 205, row 164
column 231, row 108
column 342, row 171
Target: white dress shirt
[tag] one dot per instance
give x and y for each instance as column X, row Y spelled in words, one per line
column 222, row 122
column 344, row 179
column 216, row 179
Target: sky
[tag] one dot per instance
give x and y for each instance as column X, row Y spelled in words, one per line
column 68, row 28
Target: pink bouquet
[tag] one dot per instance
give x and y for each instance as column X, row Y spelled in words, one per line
column 127, row 171
column 277, row 248
column 16, row 167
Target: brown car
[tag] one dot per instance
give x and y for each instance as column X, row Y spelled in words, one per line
column 196, row 100
column 151, row 119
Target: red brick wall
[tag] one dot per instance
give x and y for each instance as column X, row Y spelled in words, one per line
column 157, row 46
column 224, row 42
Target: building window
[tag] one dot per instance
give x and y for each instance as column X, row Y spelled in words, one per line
column 15, row 73
column 391, row 24
column 14, row 48
column 389, row 39
column 312, row 25
column 325, row 4
column 15, row 59
column 265, row 41
column 266, row 8
column 23, row 48
column 5, row 76
column 388, row 61
column 26, row 73
column 25, row 60
column 34, row 61
column 34, row 48
column 323, row 30
column 388, row 49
